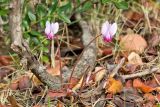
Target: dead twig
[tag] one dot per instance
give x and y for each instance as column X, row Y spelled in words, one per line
column 140, row 74
column 115, row 70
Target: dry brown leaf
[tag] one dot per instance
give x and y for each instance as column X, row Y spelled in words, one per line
column 114, row 86
column 100, row 73
column 132, row 15
column 2, row 85
column 78, row 85
column 56, row 70
column 24, row 83
column 5, row 60
column 72, row 83
column 140, row 85
column 129, row 68
column 135, row 59
column 36, row 81
column 54, row 94
column 154, row 40
column 14, row 85
column 149, row 97
column 133, row 42
column 13, row 101
column 60, row 104
column 105, row 51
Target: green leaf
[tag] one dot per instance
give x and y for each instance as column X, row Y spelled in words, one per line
column 31, row 16
column 41, row 10
column 78, row 1
column 45, row 59
column 53, row 8
column 64, row 18
column 35, row 41
column 25, row 24
column 106, row 1
column 158, row 105
column 66, row 7
column 35, row 33
column 87, row 6
column 46, row 42
column 121, row 5
column 45, row 49
column 26, row 36
column 3, row 12
column 4, row 1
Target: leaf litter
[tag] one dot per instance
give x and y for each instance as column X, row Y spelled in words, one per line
column 103, row 84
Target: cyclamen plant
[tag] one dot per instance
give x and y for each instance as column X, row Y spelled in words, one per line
column 108, row 31
column 50, row 31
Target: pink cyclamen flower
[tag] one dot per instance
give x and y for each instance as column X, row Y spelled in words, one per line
column 108, row 31
column 51, row 29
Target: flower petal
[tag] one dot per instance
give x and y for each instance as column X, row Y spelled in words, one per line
column 55, row 27
column 107, row 38
column 113, row 29
column 105, row 28
column 48, row 28
column 50, row 36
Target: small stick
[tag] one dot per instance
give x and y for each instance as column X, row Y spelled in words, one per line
column 140, row 74
column 115, row 70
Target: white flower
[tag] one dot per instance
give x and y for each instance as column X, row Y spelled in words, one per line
column 51, row 29
column 108, row 31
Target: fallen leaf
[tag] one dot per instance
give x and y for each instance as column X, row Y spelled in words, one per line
column 36, row 81
column 5, row 60
column 133, row 15
column 138, row 84
column 14, row 85
column 155, row 39
column 149, row 97
column 55, row 94
column 106, row 51
column 13, row 101
column 100, row 73
column 78, row 85
column 2, row 85
column 128, row 84
column 24, row 83
column 73, row 83
column 56, row 70
column 37, row 105
column 114, row 86
column 5, row 105
column 4, row 71
column 129, row 68
column 134, row 59
column 133, row 43
column 60, row 104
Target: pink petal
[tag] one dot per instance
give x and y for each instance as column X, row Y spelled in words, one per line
column 55, row 27
column 113, row 29
column 50, row 36
column 107, row 38
column 105, row 28
column 48, row 28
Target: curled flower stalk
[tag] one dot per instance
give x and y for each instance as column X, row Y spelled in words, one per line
column 50, row 31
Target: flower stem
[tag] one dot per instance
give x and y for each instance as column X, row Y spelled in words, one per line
column 52, row 54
